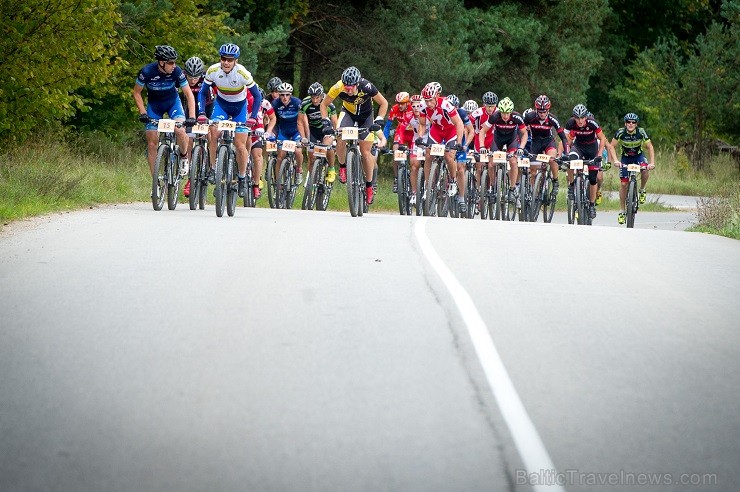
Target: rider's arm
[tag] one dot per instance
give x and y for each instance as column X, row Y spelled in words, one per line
column 612, row 149
column 138, row 98
column 382, row 104
column 602, row 143
column 202, row 95
column 524, row 134
column 303, row 124
column 469, row 134
column 651, row 152
column 190, row 99
column 257, row 95
column 482, row 134
column 271, row 121
column 387, row 128
column 459, row 128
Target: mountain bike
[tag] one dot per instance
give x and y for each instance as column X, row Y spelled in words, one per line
column 437, row 203
column 318, row 190
column 249, row 183
column 200, row 166
column 166, row 165
column 401, row 156
column 579, row 204
column 227, row 170
column 420, row 182
column 355, row 174
column 472, row 190
column 271, row 170
column 633, row 198
column 287, row 178
column 497, row 194
column 542, row 197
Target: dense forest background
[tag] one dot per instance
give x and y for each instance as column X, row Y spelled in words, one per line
column 72, row 63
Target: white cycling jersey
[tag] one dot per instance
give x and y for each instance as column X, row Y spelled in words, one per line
column 231, row 86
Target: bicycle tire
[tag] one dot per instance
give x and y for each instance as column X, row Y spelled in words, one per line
column 498, row 189
column 430, row 203
column 232, row 192
column 580, row 208
column 471, row 193
column 271, row 181
column 195, row 162
column 420, row 187
column 293, row 188
column 537, row 197
column 549, row 202
column 632, row 202
column 159, row 182
column 353, row 189
column 403, row 197
column 205, row 168
column 511, row 208
column 524, row 197
column 283, row 184
column 484, row 195
column 222, row 162
column 443, row 202
column 173, row 179
column 309, row 192
column 249, row 200
column 323, row 194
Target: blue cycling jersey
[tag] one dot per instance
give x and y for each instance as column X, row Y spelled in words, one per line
column 287, row 115
column 160, row 86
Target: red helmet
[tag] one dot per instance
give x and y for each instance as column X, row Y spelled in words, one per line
column 402, row 97
column 416, row 98
column 542, row 103
column 431, row 90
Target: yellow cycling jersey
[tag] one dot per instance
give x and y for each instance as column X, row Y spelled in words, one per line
column 359, row 105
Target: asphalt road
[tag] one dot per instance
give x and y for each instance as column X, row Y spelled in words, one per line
column 288, row 350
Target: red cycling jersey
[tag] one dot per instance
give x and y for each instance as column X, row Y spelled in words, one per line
column 478, row 118
column 442, row 128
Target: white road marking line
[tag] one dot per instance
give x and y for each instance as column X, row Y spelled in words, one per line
column 527, row 440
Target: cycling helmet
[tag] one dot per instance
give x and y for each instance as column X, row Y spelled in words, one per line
column 273, row 84
column 580, row 111
column 542, row 103
column 506, row 105
column 417, row 103
column 285, row 88
column 631, row 117
column 470, row 106
column 229, row 49
column 315, row 89
column 431, row 90
column 402, row 97
column 454, row 100
column 262, row 92
column 194, row 67
column 351, row 76
column 490, row 98
column 416, row 98
column 165, row 53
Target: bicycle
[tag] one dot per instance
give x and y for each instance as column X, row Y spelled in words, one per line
column 318, row 191
column 355, row 175
column 271, row 169
column 497, row 191
column 542, row 197
column 633, row 198
column 472, row 191
column 166, row 165
column 579, row 204
column 524, row 202
column 437, row 203
column 401, row 156
column 420, row 182
column 200, row 166
column 249, row 183
column 227, row 170
column 287, row 182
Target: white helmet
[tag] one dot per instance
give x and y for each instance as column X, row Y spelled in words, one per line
column 470, row 106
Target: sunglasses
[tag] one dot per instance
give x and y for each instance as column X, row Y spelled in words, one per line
column 169, row 62
column 227, row 59
column 350, row 87
column 542, row 112
column 631, row 122
column 285, row 95
column 430, row 99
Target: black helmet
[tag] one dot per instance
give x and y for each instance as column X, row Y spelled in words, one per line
column 315, row 89
column 165, row 53
column 490, row 98
column 273, row 84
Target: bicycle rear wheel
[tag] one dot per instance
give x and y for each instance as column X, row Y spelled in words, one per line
column 222, row 164
column 271, row 181
column 632, row 202
column 232, row 171
column 579, row 206
column 420, row 191
column 249, row 200
column 283, row 184
column 548, row 202
column 159, row 178
column 173, row 179
column 309, row 192
column 537, row 197
column 484, row 195
column 403, row 191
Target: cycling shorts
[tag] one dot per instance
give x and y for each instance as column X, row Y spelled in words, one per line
column 438, row 136
column 156, row 110
column 631, row 159
column 295, row 136
column 237, row 111
column 511, row 142
column 348, row 119
column 542, row 145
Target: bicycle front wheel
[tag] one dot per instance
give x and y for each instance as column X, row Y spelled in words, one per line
column 283, row 185
column 579, row 206
column 430, row 204
column 323, row 189
column 403, row 190
column 222, row 164
column 420, row 191
column 549, row 200
column 173, row 180
column 484, row 195
column 232, row 172
column 354, row 194
column 195, row 164
column 537, row 197
column 271, row 181
column 632, row 199
column 309, row 192
column 159, row 178
column 249, row 182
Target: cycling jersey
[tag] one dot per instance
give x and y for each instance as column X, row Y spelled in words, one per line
column 287, row 116
column 231, row 87
column 478, row 118
column 407, row 129
column 210, row 97
column 540, row 132
column 396, row 114
column 161, row 87
column 359, row 106
column 631, row 142
column 583, row 135
column 505, row 129
column 442, row 128
column 313, row 112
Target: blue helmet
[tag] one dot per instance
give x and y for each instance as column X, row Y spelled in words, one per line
column 229, row 49
column 631, row 117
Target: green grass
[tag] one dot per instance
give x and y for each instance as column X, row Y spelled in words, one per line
column 66, row 174
column 720, row 214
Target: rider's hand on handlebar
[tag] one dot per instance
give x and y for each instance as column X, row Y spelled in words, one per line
column 189, row 121
column 144, row 118
column 202, row 119
column 251, row 122
column 519, row 152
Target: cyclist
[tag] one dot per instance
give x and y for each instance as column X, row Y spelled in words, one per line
column 311, row 108
column 605, row 166
column 506, row 124
column 195, row 73
column 632, row 138
column 445, row 126
column 161, row 79
column 265, row 115
column 587, row 142
column 289, row 124
column 399, row 112
column 541, row 124
column 418, row 126
column 469, row 132
column 478, row 117
column 232, row 81
column 357, row 95
column 272, row 89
